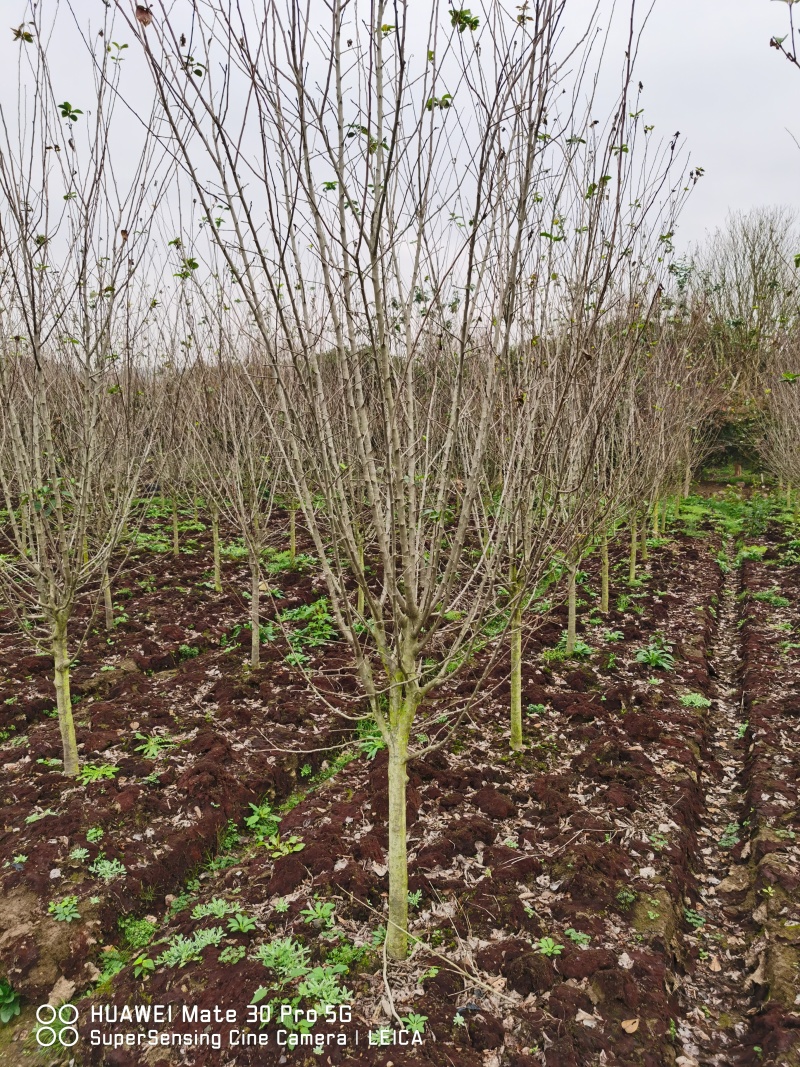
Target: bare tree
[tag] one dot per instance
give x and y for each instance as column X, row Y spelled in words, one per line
column 73, row 437
column 236, row 467
column 383, row 213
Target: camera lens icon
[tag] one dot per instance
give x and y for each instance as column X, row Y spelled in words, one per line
column 56, row 1025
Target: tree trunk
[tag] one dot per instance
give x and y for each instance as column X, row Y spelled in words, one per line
column 634, row 539
column 644, row 537
column 215, row 540
column 176, row 547
column 397, row 926
column 687, row 479
column 572, row 609
column 656, row 515
column 63, row 698
column 255, row 614
column 604, row 574
column 516, row 680
column 107, row 601
column 292, row 534
column 360, row 593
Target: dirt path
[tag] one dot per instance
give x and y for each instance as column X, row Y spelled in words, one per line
column 716, row 992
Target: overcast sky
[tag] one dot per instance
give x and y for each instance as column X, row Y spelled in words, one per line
column 707, row 69
column 709, row 72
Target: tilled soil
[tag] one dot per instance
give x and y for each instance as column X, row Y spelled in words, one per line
column 647, row 832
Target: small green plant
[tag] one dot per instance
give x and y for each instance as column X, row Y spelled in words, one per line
column 414, row 1023
column 64, row 911
column 20, row 859
column 137, row 932
column 113, row 962
column 415, row 898
column 296, row 659
column 9, row 1002
column 153, row 746
column 693, row 918
column 321, row 986
column 285, row 956
column 182, row 950
column 626, row 897
column 615, row 635
column 262, row 822
column 580, row 651
column 216, row 908
column 94, row 834
column 305, row 770
column 730, row 836
column 45, row 762
column 108, row 870
column 319, row 913
column 279, row 846
column 536, row 709
column 658, row 654
column 143, row 966
column 577, row 937
column 350, row 956
column 78, row 855
column 232, row 954
column 741, row 730
column 35, row 816
column 370, row 739
column 241, row 923
column 281, row 906
column 96, row 773
column 548, row 947
column 771, row 597
column 623, row 602
column 695, row 700
column 658, row 841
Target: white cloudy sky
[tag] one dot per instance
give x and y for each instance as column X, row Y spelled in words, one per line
column 709, row 72
column 707, row 68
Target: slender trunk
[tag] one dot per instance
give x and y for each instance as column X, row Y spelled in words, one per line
column 176, row 547
column 634, row 539
column 292, row 534
column 687, row 479
column 63, row 698
column 516, row 680
column 215, row 540
column 604, row 574
column 85, row 551
column 360, row 593
column 397, row 926
column 571, row 609
column 656, row 516
column 255, row 614
column 109, row 606
column 644, row 537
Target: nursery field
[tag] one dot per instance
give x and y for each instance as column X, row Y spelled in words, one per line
column 623, row 890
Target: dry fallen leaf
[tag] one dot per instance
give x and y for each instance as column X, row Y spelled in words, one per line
column 585, row 1018
column 715, row 965
column 630, row 1026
